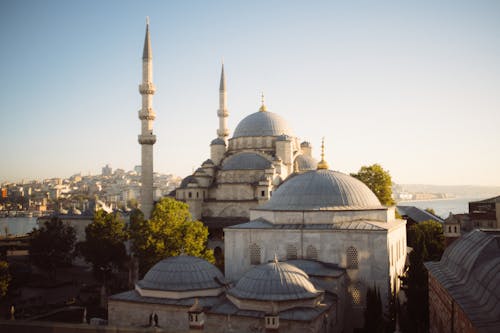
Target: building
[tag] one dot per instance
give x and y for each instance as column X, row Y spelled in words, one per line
column 463, row 286
column 244, row 170
column 485, row 213
column 452, row 228
column 186, row 293
column 414, row 215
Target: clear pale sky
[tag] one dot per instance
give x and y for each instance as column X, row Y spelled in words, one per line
column 412, row 85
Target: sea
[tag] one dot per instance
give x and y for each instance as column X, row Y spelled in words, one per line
column 17, row 226
column 443, row 207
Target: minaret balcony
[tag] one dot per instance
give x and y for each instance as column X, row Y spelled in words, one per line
column 147, row 114
column 223, row 132
column 147, row 139
column 147, row 88
column 222, row 113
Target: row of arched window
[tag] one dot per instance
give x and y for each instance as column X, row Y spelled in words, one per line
column 352, row 260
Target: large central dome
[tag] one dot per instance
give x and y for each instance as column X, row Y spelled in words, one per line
column 262, row 123
column 322, row 190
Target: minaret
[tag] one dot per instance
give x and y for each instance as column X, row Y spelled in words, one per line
column 222, row 113
column 147, row 139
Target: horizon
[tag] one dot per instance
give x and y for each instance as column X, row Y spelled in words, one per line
column 412, row 87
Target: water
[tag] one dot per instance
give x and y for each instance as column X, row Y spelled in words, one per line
column 17, row 226
column 443, row 207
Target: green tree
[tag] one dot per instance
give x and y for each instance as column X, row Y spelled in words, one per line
column 431, row 210
column 170, row 232
column 104, row 242
column 4, row 278
column 431, row 234
column 52, row 245
column 378, row 180
column 374, row 316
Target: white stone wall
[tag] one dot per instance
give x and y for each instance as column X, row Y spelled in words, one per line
column 312, row 217
column 135, row 314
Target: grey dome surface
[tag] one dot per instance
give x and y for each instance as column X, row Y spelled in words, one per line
column 246, row 161
column 262, row 123
column 275, row 281
column 306, row 163
column 181, row 273
column 322, row 190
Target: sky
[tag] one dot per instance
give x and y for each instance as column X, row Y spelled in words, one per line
column 411, row 85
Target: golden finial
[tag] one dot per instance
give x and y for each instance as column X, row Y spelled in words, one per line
column 322, row 165
column 263, row 106
column 275, row 258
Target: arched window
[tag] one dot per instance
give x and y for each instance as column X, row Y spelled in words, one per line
column 311, row 253
column 455, row 228
column 255, row 254
column 291, row 252
column 352, row 257
column 356, row 294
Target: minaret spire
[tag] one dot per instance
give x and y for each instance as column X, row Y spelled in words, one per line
column 147, row 139
column 222, row 113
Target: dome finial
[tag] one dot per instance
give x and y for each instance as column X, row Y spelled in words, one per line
column 263, row 106
column 275, row 258
column 322, row 165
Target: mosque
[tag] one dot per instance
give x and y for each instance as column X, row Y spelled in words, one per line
column 302, row 243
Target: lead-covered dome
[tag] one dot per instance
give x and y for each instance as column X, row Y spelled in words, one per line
column 262, row 123
column 322, row 190
column 182, row 273
column 275, row 281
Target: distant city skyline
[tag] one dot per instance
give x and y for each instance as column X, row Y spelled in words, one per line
column 411, row 86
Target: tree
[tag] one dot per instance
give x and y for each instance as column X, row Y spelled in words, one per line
column 431, row 233
column 378, row 180
column 418, row 289
column 374, row 316
column 4, row 278
column 53, row 245
column 170, row 232
column 431, row 211
column 104, row 242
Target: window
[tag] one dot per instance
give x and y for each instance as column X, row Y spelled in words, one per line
column 190, row 194
column 311, row 253
column 197, row 195
column 262, row 193
column 356, row 294
column 352, row 257
column 291, row 252
column 255, row 253
column 455, row 227
column 449, row 228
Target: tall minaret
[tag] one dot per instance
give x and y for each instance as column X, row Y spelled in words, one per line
column 222, row 113
column 147, row 139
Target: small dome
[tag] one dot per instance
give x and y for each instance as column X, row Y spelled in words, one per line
column 181, row 273
column 246, row 161
column 305, row 144
column 208, row 162
column 275, row 281
column 322, row 190
column 262, row 123
column 306, row 163
column 217, row 141
column 283, row 137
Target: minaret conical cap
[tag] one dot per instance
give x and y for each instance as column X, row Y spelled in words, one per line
column 222, row 79
column 147, row 53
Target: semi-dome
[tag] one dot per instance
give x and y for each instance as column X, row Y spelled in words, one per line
column 322, row 190
column 246, row 161
column 182, row 273
column 262, row 123
column 306, row 163
column 275, row 281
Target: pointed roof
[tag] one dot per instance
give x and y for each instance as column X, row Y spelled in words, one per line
column 222, row 86
column 147, row 53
